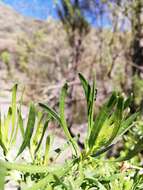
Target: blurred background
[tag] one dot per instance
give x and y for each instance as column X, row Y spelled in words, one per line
column 44, row 43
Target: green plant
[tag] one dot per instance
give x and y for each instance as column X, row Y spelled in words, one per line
column 112, row 116
column 88, row 168
column 32, row 132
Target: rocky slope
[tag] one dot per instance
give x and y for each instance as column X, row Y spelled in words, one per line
column 30, row 51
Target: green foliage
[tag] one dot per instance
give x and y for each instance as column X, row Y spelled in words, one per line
column 110, row 122
column 86, row 169
column 32, row 132
column 29, row 129
column 133, row 142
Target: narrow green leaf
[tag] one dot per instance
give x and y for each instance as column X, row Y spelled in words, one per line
column 62, row 117
column 126, row 124
column 1, row 138
column 38, row 132
column 85, row 85
column 6, row 125
column 20, row 123
column 51, row 112
column 62, row 110
column 90, row 111
column 48, row 143
column 3, row 147
column 91, row 107
column 20, row 119
column 101, row 151
column 15, row 134
column 14, row 92
column 29, row 129
column 21, row 99
column 42, row 136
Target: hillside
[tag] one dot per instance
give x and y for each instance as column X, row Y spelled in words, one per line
column 27, row 47
column 36, row 54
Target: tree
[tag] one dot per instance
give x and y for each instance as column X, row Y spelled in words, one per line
column 76, row 27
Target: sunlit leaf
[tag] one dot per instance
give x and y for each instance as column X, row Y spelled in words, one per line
column 86, row 86
column 51, row 112
column 20, row 123
column 6, row 125
column 48, row 143
column 29, row 129
column 42, row 136
column 14, row 110
column 62, row 117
